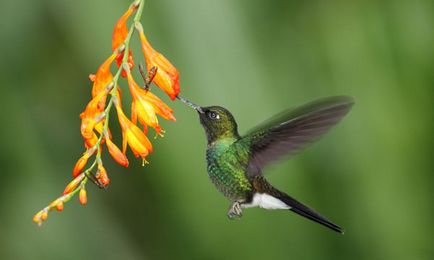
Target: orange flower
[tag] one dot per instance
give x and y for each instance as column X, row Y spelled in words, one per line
column 120, row 32
column 91, row 142
column 146, row 106
column 132, row 135
column 103, row 76
column 160, row 107
column 167, row 77
column 93, row 116
column 116, row 154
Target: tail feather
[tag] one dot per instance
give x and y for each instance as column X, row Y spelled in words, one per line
column 263, row 187
column 307, row 212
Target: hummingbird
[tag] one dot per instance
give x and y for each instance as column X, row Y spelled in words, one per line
column 235, row 163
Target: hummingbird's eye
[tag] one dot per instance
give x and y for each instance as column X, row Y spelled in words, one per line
column 213, row 115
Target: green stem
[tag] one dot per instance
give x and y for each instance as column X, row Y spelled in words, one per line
column 139, row 11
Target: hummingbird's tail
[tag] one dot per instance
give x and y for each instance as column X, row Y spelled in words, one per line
column 268, row 197
column 307, row 212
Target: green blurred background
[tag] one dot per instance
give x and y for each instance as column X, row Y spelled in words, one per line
column 372, row 174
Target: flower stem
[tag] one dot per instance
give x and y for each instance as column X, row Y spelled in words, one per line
column 113, row 92
column 124, row 48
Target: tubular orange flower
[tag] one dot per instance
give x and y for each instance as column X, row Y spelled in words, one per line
column 167, row 77
column 116, row 153
column 91, row 142
column 103, row 76
column 120, row 33
column 93, row 114
column 146, row 115
column 132, row 135
column 146, row 107
column 160, row 107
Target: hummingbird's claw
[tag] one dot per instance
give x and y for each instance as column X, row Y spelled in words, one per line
column 235, row 211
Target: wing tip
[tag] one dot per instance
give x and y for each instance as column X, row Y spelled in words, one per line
column 348, row 100
column 342, row 100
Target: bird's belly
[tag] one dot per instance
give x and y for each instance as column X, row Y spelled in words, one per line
column 231, row 182
column 265, row 201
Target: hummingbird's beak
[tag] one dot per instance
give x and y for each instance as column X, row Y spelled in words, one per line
column 190, row 104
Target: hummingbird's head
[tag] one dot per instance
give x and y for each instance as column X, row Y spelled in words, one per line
column 218, row 123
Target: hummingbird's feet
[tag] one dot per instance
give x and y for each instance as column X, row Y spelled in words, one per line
column 235, row 211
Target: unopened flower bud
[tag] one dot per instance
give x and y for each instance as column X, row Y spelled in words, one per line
column 82, row 196
column 44, row 215
column 73, row 184
column 101, row 175
column 59, row 206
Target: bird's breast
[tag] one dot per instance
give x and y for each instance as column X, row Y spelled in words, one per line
column 226, row 170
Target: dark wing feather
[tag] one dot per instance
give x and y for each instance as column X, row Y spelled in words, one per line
column 292, row 130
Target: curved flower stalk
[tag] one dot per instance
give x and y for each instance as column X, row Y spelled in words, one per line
column 145, row 109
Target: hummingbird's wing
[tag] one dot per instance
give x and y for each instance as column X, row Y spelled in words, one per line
column 292, row 130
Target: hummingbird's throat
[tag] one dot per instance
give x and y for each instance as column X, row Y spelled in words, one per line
column 190, row 104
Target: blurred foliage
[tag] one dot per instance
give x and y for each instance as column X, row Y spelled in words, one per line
column 372, row 174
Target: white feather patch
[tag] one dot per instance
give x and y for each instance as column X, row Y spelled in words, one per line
column 265, row 201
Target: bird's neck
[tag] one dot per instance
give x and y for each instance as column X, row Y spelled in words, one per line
column 225, row 139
